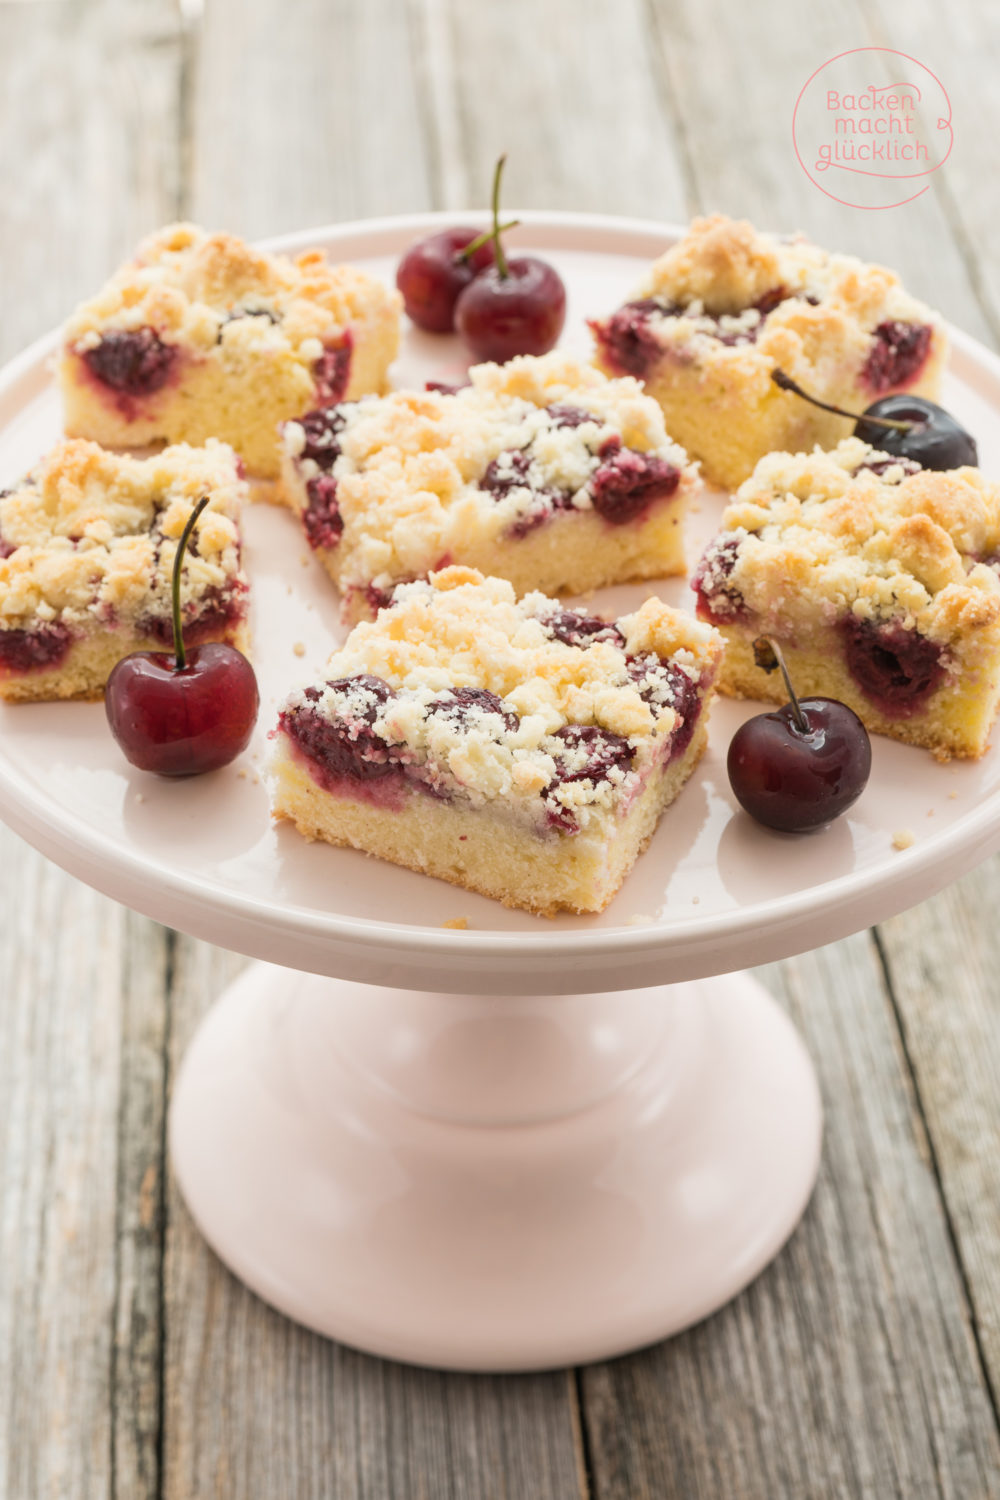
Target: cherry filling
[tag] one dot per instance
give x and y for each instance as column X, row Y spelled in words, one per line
column 574, row 628
column 332, row 372
column 569, row 416
column 322, row 519
column 464, row 706
column 603, row 751
column 511, row 470
column 718, row 598
column 627, row 339
column 883, row 465
column 627, row 482
column 665, row 683
column 896, row 669
column 348, row 749
column 34, row 650
column 217, row 609
column 322, row 430
column 898, row 354
column 132, row 362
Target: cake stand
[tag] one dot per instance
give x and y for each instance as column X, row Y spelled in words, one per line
column 440, row 1130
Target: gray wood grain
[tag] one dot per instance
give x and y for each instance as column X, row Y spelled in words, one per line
column 304, row 114
column 849, row 1369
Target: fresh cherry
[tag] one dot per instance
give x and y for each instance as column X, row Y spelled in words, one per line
column 516, row 306
column 435, row 270
column 908, row 427
column 803, row 765
column 183, row 713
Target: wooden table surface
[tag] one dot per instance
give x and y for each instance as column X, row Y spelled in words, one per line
column 866, row 1360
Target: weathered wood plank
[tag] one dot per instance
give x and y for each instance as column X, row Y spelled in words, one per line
column 305, row 114
column 256, row 1406
column 943, row 959
column 88, row 123
column 848, row 1370
column 569, row 89
column 81, row 1091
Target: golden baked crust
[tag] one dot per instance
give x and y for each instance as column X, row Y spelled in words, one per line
column 821, row 534
column 410, row 467
column 547, row 739
column 742, row 303
column 246, row 333
column 92, row 535
column 853, row 569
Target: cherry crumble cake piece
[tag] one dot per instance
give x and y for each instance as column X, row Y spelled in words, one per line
column 203, row 336
column 540, row 471
column 878, row 579
column 727, row 305
column 87, row 546
column 521, row 750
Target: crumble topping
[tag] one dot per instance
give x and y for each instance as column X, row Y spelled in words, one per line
column 473, row 691
column 812, row 538
column 207, row 290
column 728, row 291
column 92, row 534
column 418, row 477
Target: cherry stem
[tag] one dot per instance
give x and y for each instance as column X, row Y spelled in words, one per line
column 767, row 655
column 180, row 655
column 786, row 383
column 467, row 251
column 501, row 259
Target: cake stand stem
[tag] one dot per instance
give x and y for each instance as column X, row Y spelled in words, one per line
column 502, row 1183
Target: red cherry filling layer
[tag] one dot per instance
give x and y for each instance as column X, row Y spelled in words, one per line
column 135, row 362
column 323, row 522
column 348, row 750
column 719, row 598
column 332, row 372
column 627, row 482
column 899, row 352
column 896, row 669
column 322, row 430
column 628, row 342
column 217, row 608
column 23, row 651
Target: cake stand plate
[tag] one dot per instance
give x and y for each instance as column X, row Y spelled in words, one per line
column 447, row 1131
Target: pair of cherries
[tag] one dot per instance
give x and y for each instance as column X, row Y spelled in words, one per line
column 461, row 280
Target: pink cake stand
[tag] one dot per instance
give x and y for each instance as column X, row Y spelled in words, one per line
column 520, row 1143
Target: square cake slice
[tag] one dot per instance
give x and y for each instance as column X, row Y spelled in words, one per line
column 522, row 750
column 204, row 336
column 878, row 579
column 726, row 306
column 540, row 471
column 87, row 547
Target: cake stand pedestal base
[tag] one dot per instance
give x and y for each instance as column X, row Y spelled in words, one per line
column 494, row 1183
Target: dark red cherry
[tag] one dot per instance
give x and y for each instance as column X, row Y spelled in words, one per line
column 794, row 778
column 181, row 721
column 434, row 271
column 184, row 712
column 909, row 427
column 515, row 306
column 934, row 440
column 520, row 312
column 804, row 764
